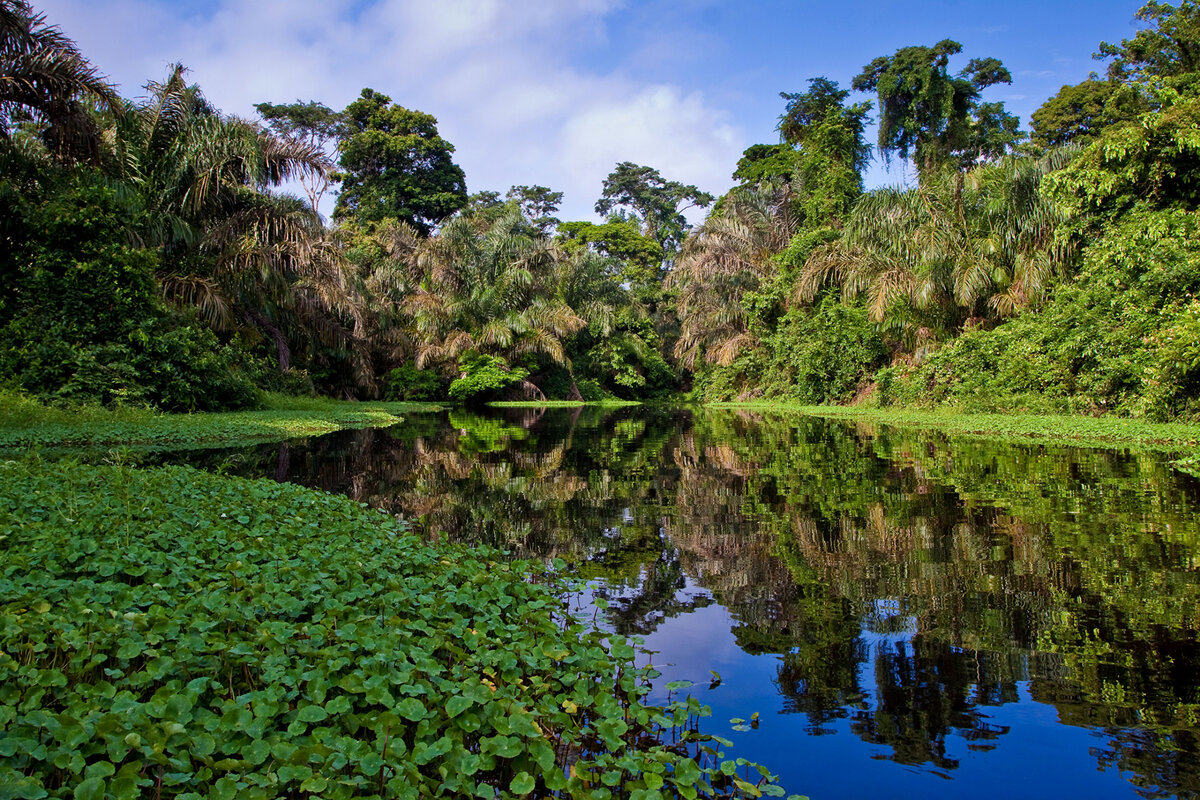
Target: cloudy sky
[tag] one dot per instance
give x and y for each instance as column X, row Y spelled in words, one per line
column 557, row 92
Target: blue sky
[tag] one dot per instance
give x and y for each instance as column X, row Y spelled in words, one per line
column 558, row 91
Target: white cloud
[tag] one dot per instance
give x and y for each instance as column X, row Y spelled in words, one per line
column 500, row 75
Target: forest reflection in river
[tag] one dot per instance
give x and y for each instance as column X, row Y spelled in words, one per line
column 901, row 608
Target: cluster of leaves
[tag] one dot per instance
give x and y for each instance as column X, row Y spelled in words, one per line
column 170, row 633
column 484, row 377
column 82, row 320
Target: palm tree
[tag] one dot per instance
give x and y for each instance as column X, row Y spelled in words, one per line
column 244, row 257
column 731, row 254
column 45, row 79
column 490, row 288
column 957, row 248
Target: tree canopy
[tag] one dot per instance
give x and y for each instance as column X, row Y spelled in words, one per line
column 394, row 164
column 935, row 117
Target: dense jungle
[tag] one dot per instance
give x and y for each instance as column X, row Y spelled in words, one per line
column 156, row 257
column 322, row 475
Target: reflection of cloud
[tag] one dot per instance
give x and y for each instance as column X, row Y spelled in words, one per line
column 496, row 73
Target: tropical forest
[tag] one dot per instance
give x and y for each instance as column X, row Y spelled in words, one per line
column 324, row 475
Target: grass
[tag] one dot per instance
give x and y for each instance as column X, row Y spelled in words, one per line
column 1072, row 429
column 171, row 633
column 25, row 423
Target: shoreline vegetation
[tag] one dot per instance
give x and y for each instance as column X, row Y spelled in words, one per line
column 1075, row 429
column 24, row 423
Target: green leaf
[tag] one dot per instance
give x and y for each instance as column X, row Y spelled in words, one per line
column 312, row 714
column 522, row 783
column 457, row 704
column 411, row 708
column 90, row 789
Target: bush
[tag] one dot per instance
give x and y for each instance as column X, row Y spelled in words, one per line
column 406, row 382
column 1118, row 338
column 484, row 378
column 82, row 321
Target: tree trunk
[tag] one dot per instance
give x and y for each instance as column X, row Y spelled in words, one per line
column 281, row 345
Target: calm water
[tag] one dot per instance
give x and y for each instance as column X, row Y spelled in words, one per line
column 907, row 613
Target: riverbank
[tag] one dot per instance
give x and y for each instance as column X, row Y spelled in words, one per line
column 24, row 423
column 1067, row 429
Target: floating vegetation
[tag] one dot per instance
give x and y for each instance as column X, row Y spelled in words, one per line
column 169, row 633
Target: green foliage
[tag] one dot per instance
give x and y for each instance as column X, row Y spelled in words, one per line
column 933, row 116
column 1106, row 341
column 1168, row 47
column 766, row 162
column 484, row 378
column 406, row 382
column 538, row 204
column 312, row 123
column 396, row 165
column 640, row 256
column 1079, row 113
column 83, row 321
column 822, row 354
column 172, row 633
column 27, row 423
column 652, row 201
column 1156, row 162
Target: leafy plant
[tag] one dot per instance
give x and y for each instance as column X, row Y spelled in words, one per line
column 169, row 633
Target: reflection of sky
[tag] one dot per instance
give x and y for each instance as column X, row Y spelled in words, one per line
column 1038, row 757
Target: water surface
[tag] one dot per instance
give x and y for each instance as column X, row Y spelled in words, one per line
column 907, row 613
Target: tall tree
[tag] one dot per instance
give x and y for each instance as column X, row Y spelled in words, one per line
column 44, row 77
column 244, row 257
column 934, row 117
column 488, row 287
column 394, row 164
column 1169, row 47
column 956, row 247
column 538, row 204
column 314, row 124
column 731, row 254
column 833, row 152
column 1078, row 113
column 641, row 193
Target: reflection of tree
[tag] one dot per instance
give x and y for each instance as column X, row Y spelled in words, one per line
column 924, row 692
column 907, row 581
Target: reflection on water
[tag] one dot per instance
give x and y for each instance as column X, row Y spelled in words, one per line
column 902, row 609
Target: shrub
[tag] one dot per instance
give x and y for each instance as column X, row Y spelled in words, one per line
column 484, row 378
column 406, row 382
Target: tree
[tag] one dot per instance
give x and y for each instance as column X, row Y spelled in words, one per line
column 766, row 162
column 1077, row 114
column 314, row 124
column 640, row 256
column 488, row 288
column 243, row 257
column 833, row 151
column 934, row 117
column 396, row 165
column 932, row 257
column 538, row 204
column 654, row 202
column 43, row 77
column 730, row 255
column 1168, row 48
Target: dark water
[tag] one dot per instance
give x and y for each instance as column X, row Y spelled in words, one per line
column 908, row 614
